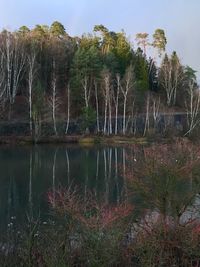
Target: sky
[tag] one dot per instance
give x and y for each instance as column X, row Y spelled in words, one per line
column 179, row 18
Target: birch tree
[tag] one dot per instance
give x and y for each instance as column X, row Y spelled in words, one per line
column 2, row 76
column 146, row 125
column 116, row 101
column 9, row 52
column 32, row 70
column 106, row 94
column 159, row 44
column 156, row 110
column 159, row 41
column 68, row 108
column 87, row 90
column 128, row 84
column 97, row 105
column 171, row 77
column 110, row 111
column 19, row 60
column 142, row 40
column 192, row 108
column 54, row 100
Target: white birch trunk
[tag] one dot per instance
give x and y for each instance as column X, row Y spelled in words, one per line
column 54, row 106
column 86, row 91
column 97, row 106
column 110, row 114
column 9, row 58
column 128, row 84
column 68, row 109
column 31, row 74
column 146, row 126
column 116, row 101
column 193, row 108
column 106, row 98
column 18, row 66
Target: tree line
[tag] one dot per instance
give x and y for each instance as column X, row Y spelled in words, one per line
column 100, row 77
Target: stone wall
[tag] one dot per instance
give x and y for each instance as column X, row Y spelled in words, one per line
column 165, row 122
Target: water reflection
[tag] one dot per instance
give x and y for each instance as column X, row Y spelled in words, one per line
column 28, row 173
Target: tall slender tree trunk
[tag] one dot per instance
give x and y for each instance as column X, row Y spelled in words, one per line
column 86, row 96
column 68, row 109
column 31, row 73
column 116, row 105
column 18, row 66
column 9, row 54
column 146, row 126
column 97, row 106
column 124, row 115
column 86, row 91
column 54, row 100
column 110, row 114
column 128, row 84
column 30, row 109
column 106, row 91
column 105, row 117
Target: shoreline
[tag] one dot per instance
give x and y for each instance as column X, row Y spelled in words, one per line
column 85, row 140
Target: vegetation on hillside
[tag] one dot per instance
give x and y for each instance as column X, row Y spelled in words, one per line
column 45, row 74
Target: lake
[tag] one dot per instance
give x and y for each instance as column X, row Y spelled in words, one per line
column 29, row 172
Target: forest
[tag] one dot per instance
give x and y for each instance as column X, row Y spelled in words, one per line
column 101, row 78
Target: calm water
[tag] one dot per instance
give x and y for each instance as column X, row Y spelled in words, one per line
column 28, row 173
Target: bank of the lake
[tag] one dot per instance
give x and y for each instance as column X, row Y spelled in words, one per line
column 86, row 140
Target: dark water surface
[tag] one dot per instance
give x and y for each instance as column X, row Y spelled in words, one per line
column 28, row 173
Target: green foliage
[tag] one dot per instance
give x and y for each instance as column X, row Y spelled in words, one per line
column 190, row 73
column 57, row 29
column 153, row 76
column 115, row 48
column 171, row 79
column 80, row 59
column 24, row 30
column 88, row 118
column 110, row 62
column 38, row 97
column 142, row 40
column 122, row 51
column 40, row 32
column 189, row 77
column 86, row 64
column 159, row 40
column 141, row 71
column 37, row 111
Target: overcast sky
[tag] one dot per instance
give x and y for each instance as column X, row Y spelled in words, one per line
column 179, row 18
